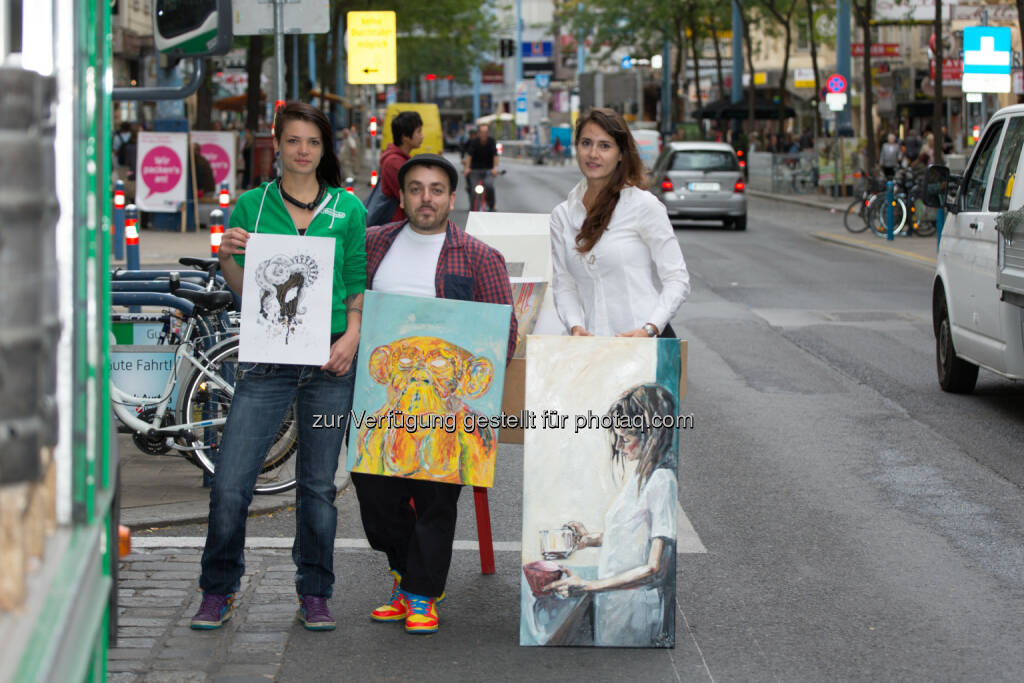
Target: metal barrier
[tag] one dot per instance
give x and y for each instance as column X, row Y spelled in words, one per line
column 795, row 173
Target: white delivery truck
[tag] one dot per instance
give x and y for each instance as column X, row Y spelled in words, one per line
column 978, row 290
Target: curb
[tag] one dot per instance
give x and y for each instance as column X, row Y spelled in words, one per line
column 179, row 514
column 795, row 199
column 878, row 248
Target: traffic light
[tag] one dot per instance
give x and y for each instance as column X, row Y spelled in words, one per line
column 508, row 47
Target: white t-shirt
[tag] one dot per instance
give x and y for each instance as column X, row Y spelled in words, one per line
column 410, row 264
column 635, row 274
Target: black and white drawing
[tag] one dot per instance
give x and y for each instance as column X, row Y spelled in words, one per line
column 286, row 302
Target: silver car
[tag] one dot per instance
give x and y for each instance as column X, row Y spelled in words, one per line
column 701, row 181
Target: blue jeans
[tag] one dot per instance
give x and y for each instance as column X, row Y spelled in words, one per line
column 263, row 394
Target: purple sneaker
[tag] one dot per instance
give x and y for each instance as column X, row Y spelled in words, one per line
column 214, row 611
column 314, row 613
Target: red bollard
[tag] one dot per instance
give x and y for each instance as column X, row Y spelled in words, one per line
column 131, row 237
column 373, row 178
column 216, row 230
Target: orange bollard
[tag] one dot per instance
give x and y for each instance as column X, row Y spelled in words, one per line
column 124, row 541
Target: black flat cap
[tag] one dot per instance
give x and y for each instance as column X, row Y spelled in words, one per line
column 429, row 160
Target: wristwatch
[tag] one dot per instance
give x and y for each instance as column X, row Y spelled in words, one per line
column 650, row 329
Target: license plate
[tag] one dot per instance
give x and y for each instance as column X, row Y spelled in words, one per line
column 704, row 187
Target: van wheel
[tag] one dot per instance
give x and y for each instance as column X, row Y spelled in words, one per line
column 739, row 223
column 956, row 375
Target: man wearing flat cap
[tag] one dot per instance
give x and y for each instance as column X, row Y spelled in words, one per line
column 424, row 255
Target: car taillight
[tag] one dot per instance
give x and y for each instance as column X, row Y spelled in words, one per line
column 667, row 186
column 739, row 186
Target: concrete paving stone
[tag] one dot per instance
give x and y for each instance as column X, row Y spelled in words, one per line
column 271, row 617
column 138, row 601
column 139, row 621
column 189, row 654
column 175, row 584
column 126, row 665
column 176, row 666
column 263, row 627
column 134, row 631
column 162, row 593
column 176, row 574
column 164, row 613
column 123, row 677
column 140, row 643
column 201, row 638
column 175, row 677
column 243, row 638
column 123, row 653
column 272, row 608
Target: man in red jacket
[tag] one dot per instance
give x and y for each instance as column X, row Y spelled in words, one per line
column 407, row 135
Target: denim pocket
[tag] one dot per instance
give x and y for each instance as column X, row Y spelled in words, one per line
column 245, row 370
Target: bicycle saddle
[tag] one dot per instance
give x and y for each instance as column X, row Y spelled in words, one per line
column 206, row 302
column 200, row 263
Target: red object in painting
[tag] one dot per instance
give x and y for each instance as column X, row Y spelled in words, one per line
column 539, row 574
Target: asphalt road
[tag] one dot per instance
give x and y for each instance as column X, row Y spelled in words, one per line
column 859, row 524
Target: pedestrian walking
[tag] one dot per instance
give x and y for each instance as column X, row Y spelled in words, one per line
column 890, row 156
column 306, row 200
column 427, row 255
column 610, row 237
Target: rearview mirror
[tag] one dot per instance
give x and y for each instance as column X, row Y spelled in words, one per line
column 936, row 180
column 192, row 28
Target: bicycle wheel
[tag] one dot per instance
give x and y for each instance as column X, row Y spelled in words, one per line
column 856, row 217
column 879, row 213
column 203, row 400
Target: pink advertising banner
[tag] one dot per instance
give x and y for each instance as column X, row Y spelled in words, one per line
column 161, row 171
column 219, row 148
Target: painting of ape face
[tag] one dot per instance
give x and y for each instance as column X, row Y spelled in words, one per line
column 429, row 377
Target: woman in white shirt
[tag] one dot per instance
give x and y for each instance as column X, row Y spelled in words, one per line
column 634, row 592
column 618, row 269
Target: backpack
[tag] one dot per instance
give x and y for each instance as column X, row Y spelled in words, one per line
column 379, row 207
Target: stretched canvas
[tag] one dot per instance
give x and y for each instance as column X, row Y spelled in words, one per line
column 527, row 297
column 599, row 491
column 427, row 399
column 286, row 309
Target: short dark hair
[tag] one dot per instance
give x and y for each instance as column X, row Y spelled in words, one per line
column 404, row 125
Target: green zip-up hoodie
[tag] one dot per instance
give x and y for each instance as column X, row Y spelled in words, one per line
column 340, row 215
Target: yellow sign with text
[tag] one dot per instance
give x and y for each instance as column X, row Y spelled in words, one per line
column 372, row 48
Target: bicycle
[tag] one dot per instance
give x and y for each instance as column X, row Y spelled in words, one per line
column 855, row 219
column 907, row 209
column 479, row 200
column 203, row 373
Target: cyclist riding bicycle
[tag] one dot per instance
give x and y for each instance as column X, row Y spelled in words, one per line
column 481, row 165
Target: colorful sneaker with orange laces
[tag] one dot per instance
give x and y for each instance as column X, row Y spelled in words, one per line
column 395, row 609
column 422, row 617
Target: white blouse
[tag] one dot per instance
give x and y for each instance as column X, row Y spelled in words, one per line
column 635, row 274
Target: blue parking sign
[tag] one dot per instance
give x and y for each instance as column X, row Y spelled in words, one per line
column 542, row 80
column 987, row 59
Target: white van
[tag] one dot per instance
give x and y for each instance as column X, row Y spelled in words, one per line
column 978, row 291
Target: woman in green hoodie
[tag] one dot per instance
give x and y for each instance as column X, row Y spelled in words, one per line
column 305, row 200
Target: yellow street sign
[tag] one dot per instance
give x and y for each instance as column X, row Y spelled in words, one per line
column 760, row 77
column 372, row 53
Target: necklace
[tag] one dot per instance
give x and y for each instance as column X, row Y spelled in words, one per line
column 310, row 206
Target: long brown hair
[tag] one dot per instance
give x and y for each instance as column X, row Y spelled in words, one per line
column 328, row 170
column 641, row 404
column 629, row 171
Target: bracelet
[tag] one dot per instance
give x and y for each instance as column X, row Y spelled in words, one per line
column 650, row 329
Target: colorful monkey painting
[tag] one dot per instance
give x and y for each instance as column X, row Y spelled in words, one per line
column 425, row 430
column 428, row 391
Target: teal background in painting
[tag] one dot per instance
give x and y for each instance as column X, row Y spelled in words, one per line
column 481, row 329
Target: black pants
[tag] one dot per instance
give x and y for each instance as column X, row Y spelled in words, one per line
column 418, row 542
column 668, row 332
